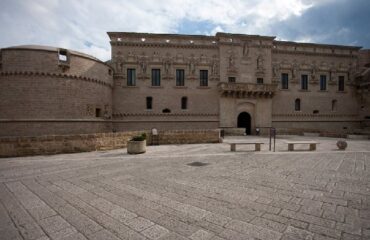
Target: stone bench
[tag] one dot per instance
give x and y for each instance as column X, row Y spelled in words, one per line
column 257, row 145
column 291, row 144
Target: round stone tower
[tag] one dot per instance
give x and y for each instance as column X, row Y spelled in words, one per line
column 47, row 90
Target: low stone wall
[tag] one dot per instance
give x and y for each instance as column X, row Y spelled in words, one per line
column 298, row 131
column 189, row 136
column 43, row 145
column 234, row 131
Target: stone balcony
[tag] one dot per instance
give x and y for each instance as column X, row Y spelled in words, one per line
column 246, row 90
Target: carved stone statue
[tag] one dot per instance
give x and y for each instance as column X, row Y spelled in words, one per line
column 214, row 67
column 167, row 66
column 119, row 62
column 143, row 67
column 275, row 70
column 260, row 62
column 295, row 71
column 245, row 49
column 313, row 71
column 231, row 61
column 192, row 65
column 143, row 64
column 333, row 72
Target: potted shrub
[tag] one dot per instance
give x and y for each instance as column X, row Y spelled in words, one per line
column 137, row 144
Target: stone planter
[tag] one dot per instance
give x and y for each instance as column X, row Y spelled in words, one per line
column 136, row 147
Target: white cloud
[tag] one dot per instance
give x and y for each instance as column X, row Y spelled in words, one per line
column 70, row 24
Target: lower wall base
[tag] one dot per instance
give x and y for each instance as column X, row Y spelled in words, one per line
column 135, row 126
column 42, row 145
column 39, row 128
column 329, row 127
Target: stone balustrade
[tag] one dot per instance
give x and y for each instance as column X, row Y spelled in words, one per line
column 246, row 90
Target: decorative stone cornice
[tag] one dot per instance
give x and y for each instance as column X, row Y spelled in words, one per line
column 246, row 90
column 290, row 52
column 311, row 115
column 55, row 75
column 164, row 45
column 98, row 120
column 151, row 114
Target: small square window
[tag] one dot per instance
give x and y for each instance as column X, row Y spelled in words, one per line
column 149, row 103
column 97, row 112
column 62, row 55
column 259, row 80
column 184, row 103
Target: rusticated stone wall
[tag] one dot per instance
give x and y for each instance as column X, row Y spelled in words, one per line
column 54, row 144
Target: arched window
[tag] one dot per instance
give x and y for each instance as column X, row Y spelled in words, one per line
column 297, row 105
column 166, row 110
column 334, row 105
column 184, row 103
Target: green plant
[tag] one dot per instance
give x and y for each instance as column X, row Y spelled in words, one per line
column 141, row 137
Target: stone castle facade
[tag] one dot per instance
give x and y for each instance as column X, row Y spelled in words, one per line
column 169, row 81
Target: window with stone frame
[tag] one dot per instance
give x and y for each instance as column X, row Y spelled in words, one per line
column 180, row 77
column 322, row 82
column 304, row 82
column 284, row 81
column 156, row 77
column 131, row 77
column 203, row 77
column 340, row 83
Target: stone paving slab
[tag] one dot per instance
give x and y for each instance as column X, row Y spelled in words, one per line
column 324, row 194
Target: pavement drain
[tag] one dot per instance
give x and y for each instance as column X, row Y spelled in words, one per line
column 197, row 164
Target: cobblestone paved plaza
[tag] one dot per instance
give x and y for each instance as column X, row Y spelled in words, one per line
column 238, row 195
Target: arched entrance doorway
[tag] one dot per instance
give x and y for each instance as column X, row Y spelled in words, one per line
column 244, row 121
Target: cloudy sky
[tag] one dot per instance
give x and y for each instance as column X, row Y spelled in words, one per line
column 82, row 24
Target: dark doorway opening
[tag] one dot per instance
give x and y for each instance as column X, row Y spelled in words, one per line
column 244, row 121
